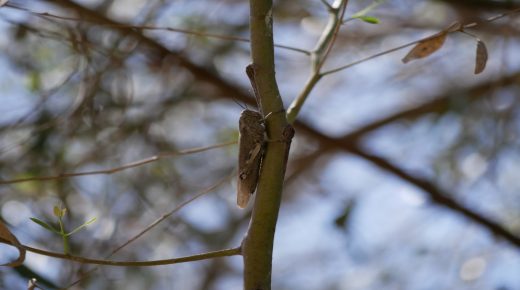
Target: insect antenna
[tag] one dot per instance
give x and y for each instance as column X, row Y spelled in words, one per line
column 239, row 104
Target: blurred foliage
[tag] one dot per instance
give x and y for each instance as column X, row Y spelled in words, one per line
column 81, row 95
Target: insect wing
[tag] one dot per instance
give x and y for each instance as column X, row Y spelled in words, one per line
column 250, row 152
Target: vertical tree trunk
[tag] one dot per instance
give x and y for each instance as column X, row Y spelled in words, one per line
column 257, row 247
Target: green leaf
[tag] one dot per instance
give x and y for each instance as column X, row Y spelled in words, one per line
column 45, row 225
column 59, row 212
column 81, row 227
column 368, row 19
column 90, row 221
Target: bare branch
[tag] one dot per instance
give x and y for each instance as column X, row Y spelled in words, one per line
column 156, row 222
column 319, row 56
column 151, row 27
column 209, row 255
column 437, row 195
column 176, row 209
column 119, row 168
column 83, row 260
column 329, row 7
column 438, row 104
column 338, row 15
column 462, row 27
column 508, row 13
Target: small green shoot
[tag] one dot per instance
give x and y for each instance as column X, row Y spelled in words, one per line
column 362, row 14
column 59, row 213
column 368, row 19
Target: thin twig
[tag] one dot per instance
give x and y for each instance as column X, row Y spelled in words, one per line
column 319, row 56
column 205, row 256
column 150, row 27
column 493, row 18
column 327, row 4
column 469, row 25
column 339, row 17
column 372, row 57
column 119, row 168
column 153, row 224
column 168, row 214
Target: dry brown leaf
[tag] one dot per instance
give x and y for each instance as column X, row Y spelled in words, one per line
column 426, row 47
column 7, row 237
column 481, row 58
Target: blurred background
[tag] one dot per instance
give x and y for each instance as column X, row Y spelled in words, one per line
column 401, row 176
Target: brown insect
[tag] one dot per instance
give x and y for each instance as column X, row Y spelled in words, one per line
column 250, row 152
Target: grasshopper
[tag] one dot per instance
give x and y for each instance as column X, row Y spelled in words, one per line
column 251, row 149
column 251, row 145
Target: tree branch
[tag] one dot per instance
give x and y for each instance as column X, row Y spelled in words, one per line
column 119, row 168
column 319, row 56
column 437, row 195
column 151, row 27
column 83, row 260
column 257, row 246
column 438, row 104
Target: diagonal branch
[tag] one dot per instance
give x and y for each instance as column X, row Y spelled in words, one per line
column 171, row 212
column 439, row 104
column 155, row 223
column 436, row 194
column 319, row 55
